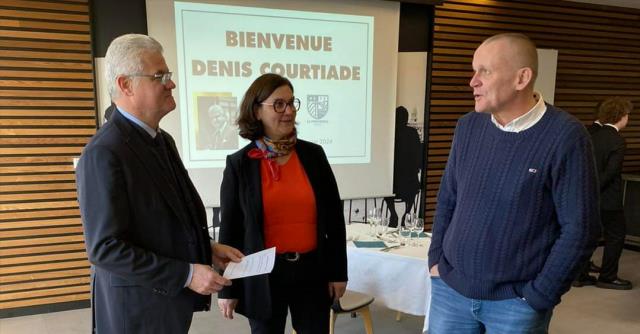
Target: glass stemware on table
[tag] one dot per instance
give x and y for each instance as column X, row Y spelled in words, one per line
column 407, row 235
column 409, row 226
column 404, row 235
column 373, row 218
column 410, row 233
column 381, row 227
column 418, row 228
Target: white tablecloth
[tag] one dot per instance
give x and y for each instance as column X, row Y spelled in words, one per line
column 399, row 278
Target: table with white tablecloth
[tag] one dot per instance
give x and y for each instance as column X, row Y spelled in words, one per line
column 398, row 278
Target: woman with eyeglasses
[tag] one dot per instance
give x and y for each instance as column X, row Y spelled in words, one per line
column 279, row 191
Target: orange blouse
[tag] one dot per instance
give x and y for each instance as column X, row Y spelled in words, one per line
column 289, row 208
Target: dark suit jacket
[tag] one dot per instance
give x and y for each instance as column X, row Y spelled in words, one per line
column 242, row 222
column 608, row 148
column 140, row 234
column 593, row 127
column 108, row 113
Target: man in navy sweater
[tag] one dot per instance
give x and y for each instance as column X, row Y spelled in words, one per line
column 517, row 208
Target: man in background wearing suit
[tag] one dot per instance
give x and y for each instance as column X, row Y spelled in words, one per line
column 609, row 147
column 144, row 223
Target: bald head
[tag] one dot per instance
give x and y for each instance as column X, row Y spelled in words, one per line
column 519, row 51
column 505, row 68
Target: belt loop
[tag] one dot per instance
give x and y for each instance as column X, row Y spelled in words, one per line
column 292, row 257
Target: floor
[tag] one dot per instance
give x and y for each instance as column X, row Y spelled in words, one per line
column 583, row 310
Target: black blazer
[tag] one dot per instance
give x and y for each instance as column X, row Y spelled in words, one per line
column 140, row 234
column 242, row 222
column 608, row 148
column 593, row 127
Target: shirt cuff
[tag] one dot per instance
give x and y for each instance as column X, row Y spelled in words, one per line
column 190, row 275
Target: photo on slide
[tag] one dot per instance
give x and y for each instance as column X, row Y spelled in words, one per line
column 216, row 121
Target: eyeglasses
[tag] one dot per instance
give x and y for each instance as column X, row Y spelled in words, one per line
column 280, row 105
column 163, row 77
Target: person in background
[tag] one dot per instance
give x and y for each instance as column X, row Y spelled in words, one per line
column 407, row 162
column 279, row 191
column 609, row 147
column 517, row 209
column 144, row 224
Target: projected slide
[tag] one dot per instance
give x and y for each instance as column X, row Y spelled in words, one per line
column 222, row 49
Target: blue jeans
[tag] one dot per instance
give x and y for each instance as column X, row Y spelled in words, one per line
column 452, row 312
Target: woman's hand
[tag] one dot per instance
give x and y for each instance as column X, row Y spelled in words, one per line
column 337, row 289
column 222, row 254
column 227, row 306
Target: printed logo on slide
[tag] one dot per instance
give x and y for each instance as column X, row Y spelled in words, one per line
column 318, row 105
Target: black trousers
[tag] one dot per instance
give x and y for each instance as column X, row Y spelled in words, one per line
column 300, row 288
column 394, row 220
column 614, row 230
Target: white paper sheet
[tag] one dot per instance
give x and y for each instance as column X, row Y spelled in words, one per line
column 251, row 265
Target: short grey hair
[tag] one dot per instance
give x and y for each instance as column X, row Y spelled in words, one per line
column 124, row 57
column 526, row 54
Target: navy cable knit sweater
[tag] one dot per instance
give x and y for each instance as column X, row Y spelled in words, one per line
column 516, row 212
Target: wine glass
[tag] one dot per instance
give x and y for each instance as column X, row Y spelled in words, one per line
column 418, row 227
column 404, row 235
column 409, row 224
column 373, row 218
column 381, row 228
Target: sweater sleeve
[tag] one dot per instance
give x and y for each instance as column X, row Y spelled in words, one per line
column 446, row 204
column 575, row 195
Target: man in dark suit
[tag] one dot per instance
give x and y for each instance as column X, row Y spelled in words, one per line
column 145, row 224
column 609, row 147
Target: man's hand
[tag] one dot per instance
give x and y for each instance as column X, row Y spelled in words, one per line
column 337, row 289
column 206, row 281
column 227, row 306
column 222, row 254
column 434, row 271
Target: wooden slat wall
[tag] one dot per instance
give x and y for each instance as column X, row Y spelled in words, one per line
column 598, row 57
column 47, row 115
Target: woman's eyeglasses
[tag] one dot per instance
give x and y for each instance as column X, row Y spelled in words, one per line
column 280, row 105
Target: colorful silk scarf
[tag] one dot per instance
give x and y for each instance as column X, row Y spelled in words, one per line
column 269, row 150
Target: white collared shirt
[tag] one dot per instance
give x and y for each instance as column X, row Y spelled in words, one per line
column 527, row 120
column 613, row 126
